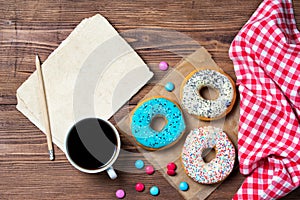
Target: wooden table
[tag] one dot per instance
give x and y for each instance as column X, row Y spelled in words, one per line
column 28, row 27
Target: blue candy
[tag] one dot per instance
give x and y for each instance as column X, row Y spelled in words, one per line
column 139, row 164
column 183, row 186
column 154, row 190
column 169, row 86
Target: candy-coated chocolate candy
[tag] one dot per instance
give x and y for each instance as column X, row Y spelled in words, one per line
column 163, row 66
column 139, row 187
column 172, row 166
column 149, row 170
column 120, row 194
column 169, row 86
column 171, row 172
column 139, row 164
column 183, row 186
column 154, row 190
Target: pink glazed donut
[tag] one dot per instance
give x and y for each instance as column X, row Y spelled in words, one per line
column 217, row 169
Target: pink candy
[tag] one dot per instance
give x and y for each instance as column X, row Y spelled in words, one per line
column 120, row 194
column 139, row 187
column 163, row 66
column 149, row 170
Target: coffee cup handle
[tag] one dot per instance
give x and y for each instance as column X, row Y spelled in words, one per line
column 111, row 173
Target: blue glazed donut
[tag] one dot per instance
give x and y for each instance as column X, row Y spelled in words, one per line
column 141, row 119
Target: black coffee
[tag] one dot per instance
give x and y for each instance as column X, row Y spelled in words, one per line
column 91, row 143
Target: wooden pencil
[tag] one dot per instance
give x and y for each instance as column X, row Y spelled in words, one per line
column 44, row 106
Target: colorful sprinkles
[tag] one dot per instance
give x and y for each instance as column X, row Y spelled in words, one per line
column 195, row 104
column 217, row 169
column 143, row 115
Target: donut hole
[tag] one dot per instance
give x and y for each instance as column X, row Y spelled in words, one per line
column 158, row 123
column 208, row 93
column 208, row 154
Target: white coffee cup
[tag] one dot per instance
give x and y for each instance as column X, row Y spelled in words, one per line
column 86, row 138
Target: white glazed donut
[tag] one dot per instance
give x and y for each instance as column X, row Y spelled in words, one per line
column 218, row 168
column 200, row 107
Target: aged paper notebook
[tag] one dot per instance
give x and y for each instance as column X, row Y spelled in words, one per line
column 92, row 73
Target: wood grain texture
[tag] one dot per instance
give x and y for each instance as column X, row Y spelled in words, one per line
column 28, row 27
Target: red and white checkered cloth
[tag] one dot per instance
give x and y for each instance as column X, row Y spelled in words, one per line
column 266, row 57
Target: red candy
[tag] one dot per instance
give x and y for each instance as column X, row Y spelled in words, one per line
column 149, row 170
column 139, row 187
column 171, row 172
column 171, row 166
column 171, row 169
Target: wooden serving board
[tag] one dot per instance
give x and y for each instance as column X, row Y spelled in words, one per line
column 200, row 59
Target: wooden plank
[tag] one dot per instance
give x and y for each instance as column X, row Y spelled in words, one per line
column 25, row 167
column 28, row 27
